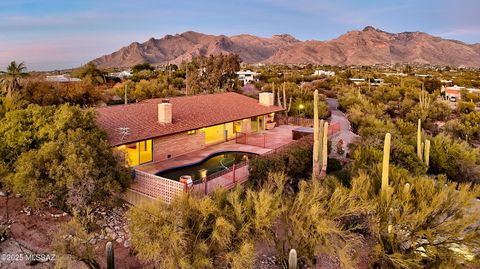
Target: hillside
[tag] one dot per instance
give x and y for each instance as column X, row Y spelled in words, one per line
column 365, row 47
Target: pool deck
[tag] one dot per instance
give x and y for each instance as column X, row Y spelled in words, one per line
column 271, row 139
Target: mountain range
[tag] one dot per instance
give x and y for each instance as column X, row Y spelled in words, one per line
column 366, row 47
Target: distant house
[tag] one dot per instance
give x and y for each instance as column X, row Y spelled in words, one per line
column 325, row 73
column 159, row 129
column 455, row 92
column 247, row 76
column 357, row 81
column 423, row 75
column 377, row 82
column 62, row 78
column 121, row 75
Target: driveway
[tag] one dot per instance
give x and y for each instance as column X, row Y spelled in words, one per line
column 345, row 133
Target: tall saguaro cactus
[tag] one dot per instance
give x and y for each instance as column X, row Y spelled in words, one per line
column 273, row 92
column 285, row 101
column 426, row 152
column 419, row 139
column 316, row 133
column 386, row 162
column 424, row 102
column 324, row 150
column 278, row 99
column 423, row 148
column 320, row 141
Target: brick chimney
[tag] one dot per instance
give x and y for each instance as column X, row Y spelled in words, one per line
column 265, row 98
column 165, row 111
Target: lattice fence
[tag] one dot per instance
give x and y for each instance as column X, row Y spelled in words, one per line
column 156, row 187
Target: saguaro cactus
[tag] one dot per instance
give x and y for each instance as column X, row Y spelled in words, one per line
column 424, row 102
column 320, row 140
column 110, row 256
column 419, row 139
column 292, row 259
column 426, row 152
column 273, row 92
column 285, row 101
column 279, row 103
column 386, row 162
column 324, row 150
column 316, row 133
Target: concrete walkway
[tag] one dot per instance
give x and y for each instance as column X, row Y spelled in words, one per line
column 345, row 132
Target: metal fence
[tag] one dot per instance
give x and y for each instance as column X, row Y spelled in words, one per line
column 255, row 139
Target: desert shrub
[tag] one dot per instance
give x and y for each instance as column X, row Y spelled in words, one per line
column 456, row 159
column 71, row 239
column 465, row 107
column 310, row 225
column 295, row 160
column 59, row 155
column 424, row 223
column 220, row 230
column 195, row 232
column 466, row 127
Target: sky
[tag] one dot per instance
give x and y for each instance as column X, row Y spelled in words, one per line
column 60, row 34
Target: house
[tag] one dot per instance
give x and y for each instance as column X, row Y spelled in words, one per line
column 247, row 76
column 121, row 75
column 454, row 92
column 377, row 82
column 62, row 78
column 324, row 73
column 357, row 81
column 423, row 75
column 159, row 129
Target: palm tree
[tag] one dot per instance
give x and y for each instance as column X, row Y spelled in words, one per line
column 10, row 80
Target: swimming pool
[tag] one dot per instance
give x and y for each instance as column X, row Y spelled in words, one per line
column 214, row 163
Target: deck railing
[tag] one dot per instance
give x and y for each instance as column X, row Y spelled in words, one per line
column 255, row 139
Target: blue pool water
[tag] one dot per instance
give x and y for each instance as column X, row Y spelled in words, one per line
column 214, row 163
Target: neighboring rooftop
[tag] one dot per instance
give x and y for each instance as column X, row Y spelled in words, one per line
column 62, row 78
column 188, row 113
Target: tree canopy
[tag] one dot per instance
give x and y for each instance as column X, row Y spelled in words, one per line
column 58, row 155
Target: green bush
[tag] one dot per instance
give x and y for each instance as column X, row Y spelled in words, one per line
column 58, row 155
column 457, row 160
column 295, row 160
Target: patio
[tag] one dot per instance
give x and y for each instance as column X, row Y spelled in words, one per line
column 147, row 186
column 271, row 139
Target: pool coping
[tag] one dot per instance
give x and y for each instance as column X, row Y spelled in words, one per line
column 202, row 160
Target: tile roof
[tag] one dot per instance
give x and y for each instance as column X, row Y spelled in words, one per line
column 188, row 113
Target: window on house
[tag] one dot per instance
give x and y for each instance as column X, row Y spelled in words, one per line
column 138, row 153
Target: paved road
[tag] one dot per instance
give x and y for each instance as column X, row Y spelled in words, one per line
column 345, row 127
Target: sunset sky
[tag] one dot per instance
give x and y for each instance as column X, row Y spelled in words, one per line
column 54, row 34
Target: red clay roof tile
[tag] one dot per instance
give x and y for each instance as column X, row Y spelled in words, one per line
column 188, row 113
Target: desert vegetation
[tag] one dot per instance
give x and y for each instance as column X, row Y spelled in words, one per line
column 405, row 195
